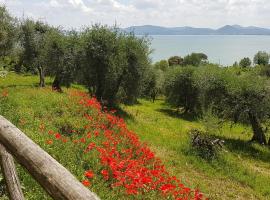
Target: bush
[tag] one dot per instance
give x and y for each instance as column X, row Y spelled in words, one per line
column 205, row 146
column 245, row 62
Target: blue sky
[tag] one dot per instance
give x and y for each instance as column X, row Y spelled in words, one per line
column 198, row 13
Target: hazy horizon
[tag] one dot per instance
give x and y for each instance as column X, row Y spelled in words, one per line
column 126, row 13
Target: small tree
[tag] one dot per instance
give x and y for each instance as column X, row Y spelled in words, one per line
column 195, row 59
column 175, row 60
column 32, row 40
column 261, row 58
column 180, row 88
column 162, row 65
column 60, row 53
column 153, row 83
column 245, row 62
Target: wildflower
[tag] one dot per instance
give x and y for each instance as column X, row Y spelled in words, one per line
column 89, row 174
column 57, row 135
column 4, row 93
column 49, row 142
column 86, row 183
column 167, row 187
column 50, row 132
column 82, row 140
column 105, row 174
column 64, row 140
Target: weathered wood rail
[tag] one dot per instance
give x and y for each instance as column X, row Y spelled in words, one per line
column 56, row 180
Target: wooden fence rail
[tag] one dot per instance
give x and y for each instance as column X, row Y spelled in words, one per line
column 52, row 176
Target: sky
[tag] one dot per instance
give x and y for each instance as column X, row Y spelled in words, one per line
column 125, row 13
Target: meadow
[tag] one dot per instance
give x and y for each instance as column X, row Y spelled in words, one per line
column 241, row 171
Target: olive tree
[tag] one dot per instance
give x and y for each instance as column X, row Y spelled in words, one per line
column 113, row 63
column 245, row 62
column 153, row 83
column 195, row 59
column 180, row 88
column 7, row 32
column 175, row 60
column 261, row 58
column 60, row 54
column 248, row 100
column 239, row 98
column 32, row 41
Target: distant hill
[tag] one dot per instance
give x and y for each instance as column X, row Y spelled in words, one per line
column 186, row 30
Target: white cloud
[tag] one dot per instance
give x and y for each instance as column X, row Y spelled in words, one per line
column 80, row 4
column 55, row 4
column 199, row 13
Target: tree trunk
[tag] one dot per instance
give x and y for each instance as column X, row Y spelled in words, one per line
column 41, row 77
column 56, row 86
column 258, row 133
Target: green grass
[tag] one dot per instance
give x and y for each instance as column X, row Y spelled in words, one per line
column 241, row 172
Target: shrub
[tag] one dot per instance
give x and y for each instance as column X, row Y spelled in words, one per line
column 205, row 146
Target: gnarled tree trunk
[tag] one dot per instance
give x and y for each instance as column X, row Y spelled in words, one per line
column 56, row 85
column 258, row 133
column 41, row 77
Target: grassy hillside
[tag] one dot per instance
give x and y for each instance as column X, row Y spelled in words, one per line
column 241, row 172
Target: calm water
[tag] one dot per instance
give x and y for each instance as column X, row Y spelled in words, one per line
column 220, row 49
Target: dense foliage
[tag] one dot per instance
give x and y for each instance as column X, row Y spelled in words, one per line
column 110, row 63
column 231, row 94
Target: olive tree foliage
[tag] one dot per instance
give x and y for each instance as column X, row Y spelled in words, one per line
column 175, row 60
column 113, row 64
column 153, row 83
column 180, row 88
column 237, row 97
column 8, row 39
column 211, row 82
column 7, row 32
column 261, row 58
column 32, row 37
column 245, row 62
column 248, row 100
column 195, row 59
column 60, row 55
column 162, row 65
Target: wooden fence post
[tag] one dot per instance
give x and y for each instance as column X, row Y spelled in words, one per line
column 52, row 176
column 11, row 178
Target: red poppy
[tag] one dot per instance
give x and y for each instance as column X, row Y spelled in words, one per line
column 57, row 135
column 86, row 183
column 49, row 142
column 89, row 174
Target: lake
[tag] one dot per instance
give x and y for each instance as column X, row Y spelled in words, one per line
column 221, row 49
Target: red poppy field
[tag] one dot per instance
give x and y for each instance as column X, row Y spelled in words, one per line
column 124, row 162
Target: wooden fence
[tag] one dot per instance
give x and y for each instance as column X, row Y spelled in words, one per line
column 56, row 180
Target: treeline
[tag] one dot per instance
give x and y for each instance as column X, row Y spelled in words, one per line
column 239, row 93
column 110, row 63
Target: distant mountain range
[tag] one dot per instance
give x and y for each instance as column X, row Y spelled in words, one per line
column 186, row 30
